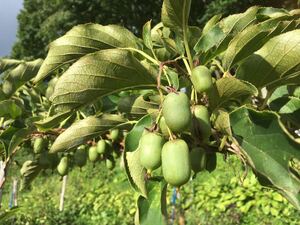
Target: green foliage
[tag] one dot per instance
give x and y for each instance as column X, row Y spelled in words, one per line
column 41, row 22
column 216, row 198
column 264, row 155
column 219, row 199
column 105, row 78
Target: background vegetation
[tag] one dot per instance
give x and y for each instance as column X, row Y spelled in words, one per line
column 41, row 21
column 97, row 195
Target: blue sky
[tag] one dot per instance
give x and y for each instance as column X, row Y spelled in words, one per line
column 9, row 10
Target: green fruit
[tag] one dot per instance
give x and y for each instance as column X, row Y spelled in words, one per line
column 110, row 163
column 62, row 167
column 211, row 162
column 39, row 145
column 198, row 159
column 176, row 111
column 101, row 146
column 163, row 127
column 115, row 153
column 202, row 116
column 80, row 156
column 201, row 78
column 114, row 134
column 176, row 165
column 93, row 154
column 150, row 150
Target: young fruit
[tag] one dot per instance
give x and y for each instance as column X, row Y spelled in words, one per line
column 150, row 150
column 163, row 127
column 201, row 78
column 211, row 162
column 93, row 154
column 176, row 111
column 110, row 163
column 114, row 134
column 176, row 165
column 115, row 153
column 80, row 156
column 39, row 145
column 198, row 159
column 101, row 146
column 62, row 167
column 201, row 115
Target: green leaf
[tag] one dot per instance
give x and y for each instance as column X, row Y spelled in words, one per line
column 82, row 40
column 53, row 121
column 136, row 107
column 134, row 170
column 6, row 64
column 18, row 138
column 133, row 137
column 270, row 12
column 95, row 75
column 275, row 64
column 173, row 77
column 20, row 75
column 8, row 214
column 9, row 109
column 227, row 89
column 6, row 136
column 279, row 92
column 175, row 14
column 29, row 171
column 216, row 39
column 288, row 108
column 252, row 39
column 84, row 130
column 268, row 149
column 152, row 210
column 215, row 19
column 147, row 35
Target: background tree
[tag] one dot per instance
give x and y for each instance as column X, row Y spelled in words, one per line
column 42, row 21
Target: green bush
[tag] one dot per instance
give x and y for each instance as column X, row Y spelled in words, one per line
column 216, row 198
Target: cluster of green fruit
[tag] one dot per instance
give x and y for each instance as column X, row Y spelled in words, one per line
column 179, row 121
column 107, row 150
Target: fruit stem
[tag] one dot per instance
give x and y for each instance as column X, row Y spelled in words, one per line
column 158, row 116
column 159, row 82
column 193, row 95
column 265, row 102
column 168, row 79
column 170, row 133
column 187, row 47
column 187, row 66
column 223, row 142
